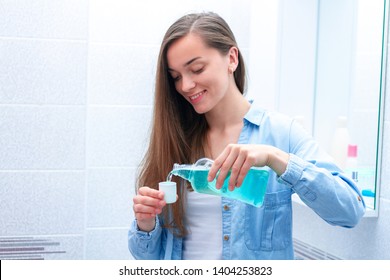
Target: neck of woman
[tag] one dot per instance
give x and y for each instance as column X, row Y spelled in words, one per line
column 228, row 113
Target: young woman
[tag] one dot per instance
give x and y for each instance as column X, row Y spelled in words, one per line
column 200, row 111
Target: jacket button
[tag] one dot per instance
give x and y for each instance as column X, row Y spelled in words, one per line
column 226, row 208
column 226, row 237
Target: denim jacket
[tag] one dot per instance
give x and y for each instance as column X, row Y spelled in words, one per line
column 266, row 232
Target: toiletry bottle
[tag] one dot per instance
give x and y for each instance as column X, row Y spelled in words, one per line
column 352, row 162
column 340, row 141
column 251, row 191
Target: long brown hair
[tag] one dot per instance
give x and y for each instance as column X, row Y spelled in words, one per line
column 179, row 133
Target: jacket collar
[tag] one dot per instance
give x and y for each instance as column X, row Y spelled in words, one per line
column 255, row 114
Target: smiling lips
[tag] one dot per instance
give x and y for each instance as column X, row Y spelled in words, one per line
column 196, row 97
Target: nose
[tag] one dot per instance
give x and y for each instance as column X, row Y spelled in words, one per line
column 187, row 83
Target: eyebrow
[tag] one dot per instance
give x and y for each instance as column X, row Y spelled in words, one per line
column 188, row 62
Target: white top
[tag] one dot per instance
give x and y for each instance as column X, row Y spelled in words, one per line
column 204, row 220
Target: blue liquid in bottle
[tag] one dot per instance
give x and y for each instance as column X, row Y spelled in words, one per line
column 252, row 189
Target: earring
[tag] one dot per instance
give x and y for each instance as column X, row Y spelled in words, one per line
column 231, row 70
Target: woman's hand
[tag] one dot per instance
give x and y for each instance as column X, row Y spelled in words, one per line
column 239, row 158
column 146, row 205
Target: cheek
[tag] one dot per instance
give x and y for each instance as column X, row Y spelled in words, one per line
column 219, row 76
column 211, row 79
column 221, row 81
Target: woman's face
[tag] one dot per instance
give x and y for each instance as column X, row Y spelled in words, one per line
column 200, row 73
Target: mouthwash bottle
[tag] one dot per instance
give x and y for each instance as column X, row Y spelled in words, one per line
column 252, row 189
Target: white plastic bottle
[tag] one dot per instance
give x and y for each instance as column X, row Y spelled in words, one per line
column 340, row 141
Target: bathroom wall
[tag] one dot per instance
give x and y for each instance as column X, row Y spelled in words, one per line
column 76, row 89
column 43, row 115
column 369, row 239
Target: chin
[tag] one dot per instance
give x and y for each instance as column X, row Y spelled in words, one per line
column 200, row 109
column 200, row 112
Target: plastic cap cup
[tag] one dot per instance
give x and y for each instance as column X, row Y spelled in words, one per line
column 169, row 190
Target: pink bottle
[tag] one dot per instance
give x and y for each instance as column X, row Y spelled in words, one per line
column 352, row 162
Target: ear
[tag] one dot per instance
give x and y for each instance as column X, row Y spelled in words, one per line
column 233, row 58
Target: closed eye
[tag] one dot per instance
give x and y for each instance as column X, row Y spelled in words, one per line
column 175, row 76
column 176, row 79
column 198, row 71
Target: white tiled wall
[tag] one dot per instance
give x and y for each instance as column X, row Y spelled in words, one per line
column 42, row 202
column 43, row 92
column 76, row 90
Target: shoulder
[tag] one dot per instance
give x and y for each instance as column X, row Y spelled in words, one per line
column 271, row 117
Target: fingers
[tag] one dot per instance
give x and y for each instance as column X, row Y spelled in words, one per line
column 227, row 164
column 148, row 203
column 220, row 166
column 235, row 161
column 243, row 172
column 226, row 169
column 238, row 172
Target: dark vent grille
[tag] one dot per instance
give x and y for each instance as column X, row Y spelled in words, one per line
column 304, row 251
column 27, row 248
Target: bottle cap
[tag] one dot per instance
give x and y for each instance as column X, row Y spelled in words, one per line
column 352, row 150
column 342, row 121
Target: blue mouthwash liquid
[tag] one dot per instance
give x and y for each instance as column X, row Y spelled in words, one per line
column 252, row 189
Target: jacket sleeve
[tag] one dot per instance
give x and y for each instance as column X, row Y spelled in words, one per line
column 145, row 245
column 319, row 183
